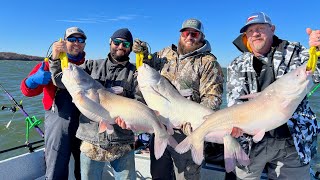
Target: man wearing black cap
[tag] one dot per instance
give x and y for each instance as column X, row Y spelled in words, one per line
column 116, row 148
column 287, row 150
column 190, row 67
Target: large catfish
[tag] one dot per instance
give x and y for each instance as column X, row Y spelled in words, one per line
column 266, row 111
column 98, row 104
column 174, row 109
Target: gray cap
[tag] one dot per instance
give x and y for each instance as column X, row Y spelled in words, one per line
column 194, row 24
column 256, row 18
column 74, row 30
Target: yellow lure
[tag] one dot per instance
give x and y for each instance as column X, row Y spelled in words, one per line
column 64, row 59
column 313, row 59
column 139, row 59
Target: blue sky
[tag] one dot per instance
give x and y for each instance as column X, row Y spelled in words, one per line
column 29, row 27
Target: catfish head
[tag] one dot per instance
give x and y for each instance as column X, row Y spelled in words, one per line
column 76, row 79
column 148, row 76
column 295, row 84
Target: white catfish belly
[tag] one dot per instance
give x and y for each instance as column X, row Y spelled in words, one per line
column 156, row 102
column 252, row 116
column 261, row 113
column 136, row 115
column 188, row 111
column 90, row 107
column 176, row 108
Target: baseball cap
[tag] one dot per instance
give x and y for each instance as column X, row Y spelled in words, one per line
column 74, row 30
column 256, row 18
column 194, row 24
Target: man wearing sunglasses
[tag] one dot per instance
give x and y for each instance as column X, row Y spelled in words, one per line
column 188, row 66
column 286, row 151
column 61, row 115
column 117, row 148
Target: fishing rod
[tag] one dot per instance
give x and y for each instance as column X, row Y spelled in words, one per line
column 31, row 148
column 31, row 121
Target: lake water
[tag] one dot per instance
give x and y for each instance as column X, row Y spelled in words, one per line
column 12, row 72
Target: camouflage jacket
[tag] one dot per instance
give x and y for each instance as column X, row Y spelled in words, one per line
column 242, row 80
column 198, row 71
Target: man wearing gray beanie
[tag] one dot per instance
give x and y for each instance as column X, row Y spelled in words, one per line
column 117, row 148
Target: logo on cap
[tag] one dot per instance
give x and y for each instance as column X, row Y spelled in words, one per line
column 192, row 23
column 74, row 30
column 251, row 18
column 256, row 18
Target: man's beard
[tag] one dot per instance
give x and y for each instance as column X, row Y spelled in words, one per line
column 182, row 49
column 259, row 46
column 121, row 58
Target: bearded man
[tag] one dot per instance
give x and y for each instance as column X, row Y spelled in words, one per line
column 116, row 148
column 193, row 70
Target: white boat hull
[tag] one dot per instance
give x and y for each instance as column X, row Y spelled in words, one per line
column 32, row 166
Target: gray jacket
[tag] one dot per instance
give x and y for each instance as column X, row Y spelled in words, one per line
column 109, row 75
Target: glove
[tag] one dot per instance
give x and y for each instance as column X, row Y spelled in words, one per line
column 41, row 77
column 140, row 46
column 186, row 128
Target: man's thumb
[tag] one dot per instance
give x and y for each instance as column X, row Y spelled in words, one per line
column 42, row 65
column 309, row 31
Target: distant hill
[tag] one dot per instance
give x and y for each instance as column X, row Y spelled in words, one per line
column 21, row 57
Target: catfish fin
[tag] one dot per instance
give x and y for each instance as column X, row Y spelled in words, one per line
column 170, row 129
column 195, row 146
column 163, row 98
column 160, row 144
column 197, row 152
column 249, row 96
column 233, row 152
column 257, row 137
column 172, row 142
column 184, row 145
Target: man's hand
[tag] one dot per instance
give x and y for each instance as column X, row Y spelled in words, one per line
column 140, row 46
column 120, row 122
column 314, row 37
column 57, row 48
column 186, row 128
column 236, row 132
column 41, row 77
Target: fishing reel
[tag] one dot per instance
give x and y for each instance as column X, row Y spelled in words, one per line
column 12, row 109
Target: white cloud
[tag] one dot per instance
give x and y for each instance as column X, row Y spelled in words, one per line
column 102, row 19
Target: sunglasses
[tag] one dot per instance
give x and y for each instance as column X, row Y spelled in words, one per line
column 117, row 42
column 194, row 34
column 74, row 39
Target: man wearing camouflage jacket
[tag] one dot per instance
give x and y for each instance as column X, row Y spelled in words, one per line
column 287, row 150
column 190, row 66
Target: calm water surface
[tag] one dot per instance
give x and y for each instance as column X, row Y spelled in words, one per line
column 12, row 72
